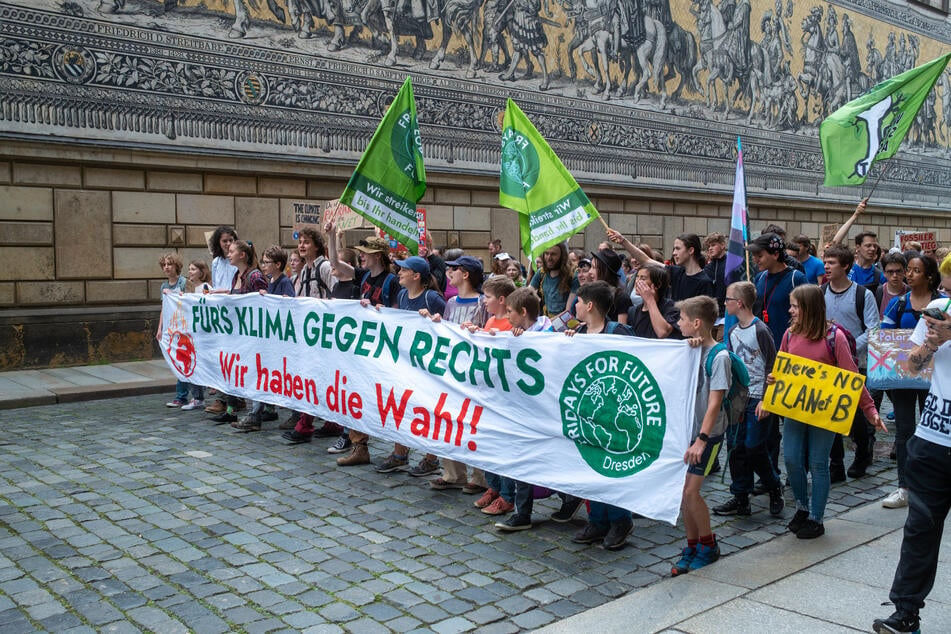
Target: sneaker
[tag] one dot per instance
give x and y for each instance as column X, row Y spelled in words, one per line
column 217, row 407
column 734, row 506
column 515, row 523
column 295, row 437
column 269, row 414
column 248, row 423
column 392, row 463
column 836, row 473
column 616, row 539
column 705, row 556
column 776, row 502
column 225, row 417
column 590, row 534
column 499, row 507
column 424, row 468
column 811, row 529
column 759, row 488
column 342, row 445
column 490, row 496
column 176, row 403
column 439, row 484
column 897, row 499
column 290, row 422
column 898, row 622
column 797, row 521
column 193, row 404
column 359, row 454
column 472, row 488
column 682, row 567
column 569, row 507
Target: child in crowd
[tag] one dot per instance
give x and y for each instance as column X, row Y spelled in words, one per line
column 199, row 281
column 524, row 312
column 499, row 498
column 171, row 264
column 272, row 265
column 698, row 315
column 466, row 275
column 247, row 279
column 752, row 341
column 199, row 278
column 607, row 523
column 418, row 294
column 296, row 264
column 222, row 272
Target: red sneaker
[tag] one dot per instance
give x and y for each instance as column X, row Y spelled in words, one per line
column 499, row 507
column 487, row 498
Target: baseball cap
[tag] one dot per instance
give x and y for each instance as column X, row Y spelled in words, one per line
column 467, row 262
column 770, row 242
column 417, row 264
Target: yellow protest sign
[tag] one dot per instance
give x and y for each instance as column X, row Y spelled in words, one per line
column 814, row 393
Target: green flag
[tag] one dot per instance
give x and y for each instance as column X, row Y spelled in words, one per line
column 534, row 183
column 390, row 177
column 872, row 127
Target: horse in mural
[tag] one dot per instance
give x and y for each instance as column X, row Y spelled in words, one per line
column 651, row 54
column 716, row 59
column 823, row 73
column 458, row 16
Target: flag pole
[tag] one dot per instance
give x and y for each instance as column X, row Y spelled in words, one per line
column 877, row 180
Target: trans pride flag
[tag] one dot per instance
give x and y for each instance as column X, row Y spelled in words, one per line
column 737, row 255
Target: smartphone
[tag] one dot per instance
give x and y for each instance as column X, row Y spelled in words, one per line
column 935, row 313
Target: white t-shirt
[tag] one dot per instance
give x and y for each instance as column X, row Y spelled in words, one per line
column 935, row 423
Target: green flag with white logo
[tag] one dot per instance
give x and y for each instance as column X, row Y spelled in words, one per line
column 872, row 127
column 534, row 183
column 390, row 177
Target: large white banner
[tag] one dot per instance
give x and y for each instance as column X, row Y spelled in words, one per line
column 603, row 417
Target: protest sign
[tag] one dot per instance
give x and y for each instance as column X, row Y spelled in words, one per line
column 887, row 352
column 343, row 216
column 605, row 418
column 926, row 239
column 306, row 215
column 814, row 393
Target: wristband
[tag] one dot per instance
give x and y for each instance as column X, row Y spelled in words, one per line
column 702, row 436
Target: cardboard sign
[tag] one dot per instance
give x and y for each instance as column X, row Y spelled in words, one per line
column 345, row 217
column 814, row 393
column 828, row 232
column 306, row 215
column 926, row 238
column 887, row 351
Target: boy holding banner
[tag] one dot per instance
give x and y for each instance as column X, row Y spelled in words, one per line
column 928, row 471
column 698, row 315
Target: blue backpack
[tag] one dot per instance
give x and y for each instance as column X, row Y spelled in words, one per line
column 734, row 403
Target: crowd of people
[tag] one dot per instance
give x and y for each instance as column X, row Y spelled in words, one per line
column 818, row 306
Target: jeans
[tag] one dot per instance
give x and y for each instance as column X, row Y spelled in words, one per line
column 746, row 455
column 181, row 390
column 863, row 434
column 773, row 440
column 505, row 487
column 603, row 515
column 905, row 423
column 525, row 498
column 807, row 445
column 928, row 474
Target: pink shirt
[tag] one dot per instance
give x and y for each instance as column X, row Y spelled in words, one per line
column 819, row 351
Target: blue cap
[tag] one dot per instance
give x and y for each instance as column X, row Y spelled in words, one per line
column 415, row 263
column 467, row 262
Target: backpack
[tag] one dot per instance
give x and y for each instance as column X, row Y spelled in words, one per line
column 735, row 401
column 859, row 302
column 385, row 291
column 617, row 328
column 830, row 341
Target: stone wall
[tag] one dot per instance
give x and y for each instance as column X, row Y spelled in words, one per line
column 81, row 231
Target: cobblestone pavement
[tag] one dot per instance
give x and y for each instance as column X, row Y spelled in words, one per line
column 121, row 515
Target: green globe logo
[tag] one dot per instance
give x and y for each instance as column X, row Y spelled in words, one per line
column 406, row 144
column 519, row 169
column 613, row 408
